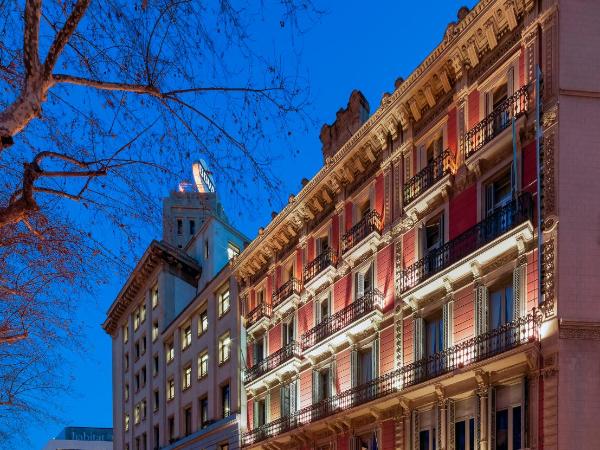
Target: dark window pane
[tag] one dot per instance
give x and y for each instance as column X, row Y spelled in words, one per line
column 424, row 440
column 472, row 434
column 502, row 430
column 460, row 436
column 517, row 428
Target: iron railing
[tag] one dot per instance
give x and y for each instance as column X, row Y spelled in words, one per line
column 271, row 362
column 521, row 331
column 499, row 222
column 360, row 307
column 292, row 286
column 368, row 224
column 317, row 265
column 497, row 121
column 260, row 311
column 435, row 170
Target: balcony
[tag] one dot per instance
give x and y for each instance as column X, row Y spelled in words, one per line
column 495, row 124
column 472, row 352
column 320, row 270
column 432, row 180
column 290, row 290
column 486, row 241
column 362, row 237
column 284, row 360
column 258, row 318
column 335, row 329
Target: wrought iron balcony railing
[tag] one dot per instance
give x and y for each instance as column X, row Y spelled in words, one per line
column 511, row 335
column 317, row 265
column 368, row 224
column 360, row 307
column 435, row 171
column 273, row 361
column 292, row 286
column 497, row 121
column 501, row 221
column 262, row 310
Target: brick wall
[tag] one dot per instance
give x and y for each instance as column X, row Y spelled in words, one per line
column 388, row 434
column 473, row 108
column 407, row 340
column 343, row 379
column 385, row 275
column 342, row 293
column 463, row 211
column 532, row 281
column 408, row 248
column 274, row 338
column 386, row 350
column 464, row 314
column 305, row 318
column 305, row 388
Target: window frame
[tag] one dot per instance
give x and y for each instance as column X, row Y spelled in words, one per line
column 224, row 342
column 201, row 328
column 186, row 377
column 224, row 294
column 203, row 361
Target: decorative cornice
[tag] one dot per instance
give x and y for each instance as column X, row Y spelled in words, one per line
column 579, row 330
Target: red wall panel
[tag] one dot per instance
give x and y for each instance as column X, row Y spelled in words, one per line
column 305, row 388
column 532, row 281
column 274, row 338
column 299, row 267
column 269, row 293
column 342, row 293
column 407, row 340
column 344, row 377
column 335, row 232
column 250, row 410
column 408, row 248
column 464, row 314
column 379, row 192
column 252, row 300
column 277, row 276
column 343, row 441
column 348, row 208
column 305, row 318
column 463, row 211
column 452, row 138
column 522, row 67
column 388, row 434
column 385, row 275
column 386, row 350
column 310, row 249
column 473, row 108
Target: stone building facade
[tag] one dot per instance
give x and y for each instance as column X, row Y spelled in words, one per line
column 412, row 295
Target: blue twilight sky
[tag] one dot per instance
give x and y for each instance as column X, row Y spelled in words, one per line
column 355, row 45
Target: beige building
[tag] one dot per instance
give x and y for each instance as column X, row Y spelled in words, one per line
column 175, row 327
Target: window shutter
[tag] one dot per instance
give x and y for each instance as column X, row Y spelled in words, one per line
column 333, row 378
column 481, row 309
column 317, row 304
column 519, row 291
column 489, row 199
column 293, row 397
column 510, row 81
column 489, row 102
column 422, row 244
column 354, row 367
column 419, row 337
column 492, row 416
column 448, row 322
column 267, row 407
column 450, row 419
column 375, row 358
column 416, row 430
column 255, row 414
column 284, row 409
column 315, row 386
column 360, row 284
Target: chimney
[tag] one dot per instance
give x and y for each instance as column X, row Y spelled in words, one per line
column 347, row 122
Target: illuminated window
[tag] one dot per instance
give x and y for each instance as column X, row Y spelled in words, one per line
column 154, row 296
column 125, row 334
column 203, row 322
column 136, row 413
column 126, row 394
column 224, row 302
column 186, row 337
column 171, row 389
column 143, row 313
column 136, row 319
column 224, row 348
column 232, row 251
column 203, row 364
column 154, row 330
column 170, row 351
column 126, row 422
column 225, row 400
column 187, row 378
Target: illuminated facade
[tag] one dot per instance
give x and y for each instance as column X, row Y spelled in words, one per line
column 175, row 329
column 395, row 303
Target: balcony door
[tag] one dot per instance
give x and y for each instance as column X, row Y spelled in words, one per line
column 288, row 329
column 432, row 239
column 427, row 439
column 498, row 192
column 363, row 281
column 288, row 399
column 259, row 350
column 500, row 310
column 464, row 434
column 434, row 343
column 508, row 429
column 322, row 244
column 260, row 412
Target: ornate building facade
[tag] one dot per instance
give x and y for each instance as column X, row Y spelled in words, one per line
column 408, row 296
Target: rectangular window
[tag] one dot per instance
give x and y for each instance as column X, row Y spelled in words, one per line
column 156, row 402
column 501, row 306
column 136, row 319
column 143, row 313
column 187, row 421
column 464, row 432
column 126, row 361
column 155, row 365
column 171, row 389
column 206, row 249
column 136, row 381
column 224, row 302
column 156, row 435
column 324, row 384
column 435, row 334
column 154, row 330
column 154, row 296
column 126, row 422
column 143, row 409
column 508, row 429
column 143, row 345
column 187, row 377
column 225, row 401
column 261, row 413
column 203, row 364
column 224, row 447
column 259, row 350
column 179, row 227
column 170, row 352
column 136, row 350
column 323, row 311
column 427, row 439
column 143, row 376
column 136, row 413
column 186, row 337
column 171, row 425
column 232, row 251
column 363, row 282
column 125, row 334
column 203, row 412
column 365, row 366
column 288, row 330
column 498, row 193
column 260, row 297
column 286, row 399
column 202, row 322
column 224, row 348
column 192, row 227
